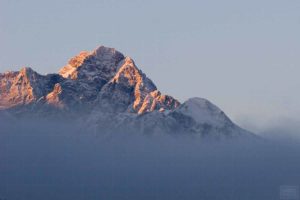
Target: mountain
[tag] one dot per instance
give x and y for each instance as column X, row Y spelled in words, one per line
column 24, row 87
column 107, row 92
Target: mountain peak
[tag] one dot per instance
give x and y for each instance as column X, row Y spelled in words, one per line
column 204, row 111
column 26, row 71
column 19, row 88
column 142, row 95
column 101, row 63
column 127, row 70
column 106, row 53
column 201, row 103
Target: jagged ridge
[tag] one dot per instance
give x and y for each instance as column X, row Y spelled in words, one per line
column 88, row 80
column 107, row 92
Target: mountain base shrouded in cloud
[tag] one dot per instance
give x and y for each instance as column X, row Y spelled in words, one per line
column 43, row 160
column 105, row 91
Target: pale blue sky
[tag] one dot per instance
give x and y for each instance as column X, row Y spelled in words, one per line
column 244, row 56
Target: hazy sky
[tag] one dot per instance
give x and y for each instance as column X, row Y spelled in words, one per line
column 244, row 56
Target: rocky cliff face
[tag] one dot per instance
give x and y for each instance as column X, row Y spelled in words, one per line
column 133, row 91
column 24, row 87
column 103, row 78
column 107, row 91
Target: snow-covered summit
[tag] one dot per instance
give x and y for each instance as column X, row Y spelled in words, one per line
column 204, row 112
column 107, row 53
column 102, row 62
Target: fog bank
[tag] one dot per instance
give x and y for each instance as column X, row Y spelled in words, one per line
column 61, row 161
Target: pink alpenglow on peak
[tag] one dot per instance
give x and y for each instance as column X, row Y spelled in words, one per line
column 103, row 74
column 70, row 70
column 144, row 96
column 101, row 61
column 20, row 88
column 107, row 91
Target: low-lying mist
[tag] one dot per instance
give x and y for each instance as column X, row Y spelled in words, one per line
column 41, row 160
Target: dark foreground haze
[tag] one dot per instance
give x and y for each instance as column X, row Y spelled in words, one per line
column 61, row 161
